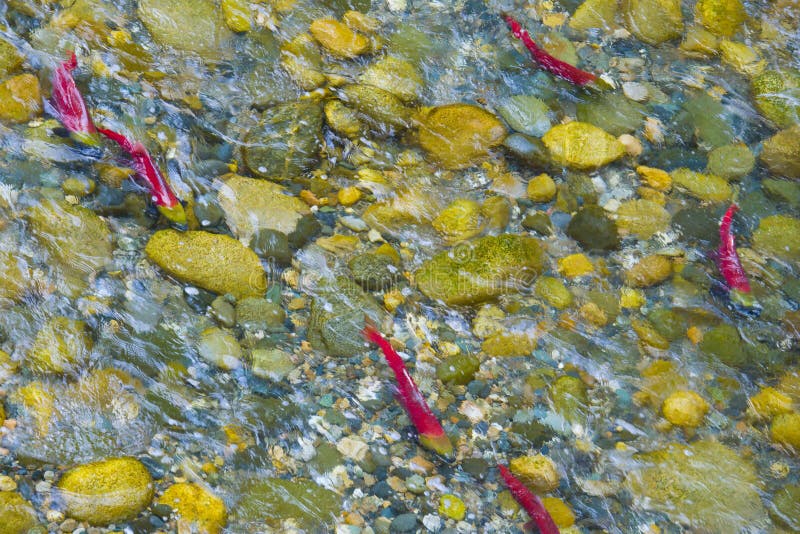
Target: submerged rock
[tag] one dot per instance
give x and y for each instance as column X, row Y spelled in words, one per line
column 642, row 218
column 526, row 114
column 612, row 112
column 271, row 501
column 190, row 25
column 196, row 507
column 20, row 98
column 220, row 348
column 252, row 205
column 781, row 153
column 722, row 17
column 287, row 141
column 460, row 135
column 777, row 96
column 481, row 270
column 61, row 345
column 680, row 480
column 10, row 58
column 14, row 276
column 594, row 14
column 581, row 145
column 380, row 107
column 593, row 229
column 339, row 39
column 653, row 21
column 301, row 58
column 395, row 75
column 731, row 162
column 374, row 272
column 106, row 492
column 217, row 263
column 459, row 221
column 779, row 236
column 17, row 516
column 703, row 186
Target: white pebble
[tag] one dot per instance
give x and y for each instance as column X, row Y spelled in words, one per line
column 7, row 483
column 635, row 91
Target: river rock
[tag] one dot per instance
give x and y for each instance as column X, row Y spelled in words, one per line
column 731, row 162
column 14, row 276
column 781, row 153
column 777, row 96
column 271, row 501
column 481, row 270
column 703, row 186
column 20, row 98
column 106, row 492
column 339, row 39
column 10, row 58
column 61, row 345
column 581, row 145
column 374, row 272
column 460, row 135
column 220, row 348
column 526, row 114
column 252, row 205
column 189, row 26
column 593, row 229
column 17, row 516
column 287, row 141
column 722, row 17
column 676, row 481
column 642, row 218
column 196, row 506
column 786, row 507
column 612, row 112
column 394, row 75
column 237, row 15
column 653, row 21
column 779, row 236
column 594, row 14
column 301, row 58
column 459, row 221
column 214, row 262
column 649, row 271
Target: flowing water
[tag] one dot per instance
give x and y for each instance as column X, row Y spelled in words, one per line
column 542, row 255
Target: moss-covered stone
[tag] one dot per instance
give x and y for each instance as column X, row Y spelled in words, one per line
column 723, row 342
column 526, row 113
column 395, row 75
column 785, row 430
column 338, row 38
column 703, row 186
column 781, row 153
column 458, row 369
column 722, row 17
column 777, row 96
column 541, row 188
column 481, row 270
column 217, row 263
column 668, row 323
column 20, row 98
column 287, row 141
column 581, row 145
column 653, row 21
column 785, row 508
column 61, row 345
column 190, row 26
column 374, row 271
column 10, row 58
column 196, row 507
column 459, row 221
column 642, row 218
column 106, row 492
column 677, row 481
column 379, row 107
column 237, row 15
column 778, row 235
column 460, row 135
column 570, row 399
column 271, row 501
column 731, row 162
column 17, row 516
column 593, row 229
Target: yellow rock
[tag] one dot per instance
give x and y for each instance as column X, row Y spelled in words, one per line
column 694, row 334
column 649, row 271
column 459, row 221
column 575, row 265
column 562, row 514
column 539, row 472
column 395, row 75
column 338, row 39
column 648, row 335
column 594, row 14
column 393, row 300
column 361, row 22
column 703, row 186
column 20, row 98
column 13, row 276
column 653, row 21
column 790, row 385
column 642, row 218
column 741, row 57
column 452, row 507
column 631, row 298
column 770, row 402
column 342, row 119
column 108, row 491
column 39, row 402
column 699, row 42
column 17, row 516
column 61, row 345
column 593, row 314
column 685, row 409
column 541, row 188
column 785, row 430
column 237, row 15
column 460, row 135
column 655, row 178
column 348, row 196
column 722, row 17
column 505, row 343
column 196, row 507
column 582, row 145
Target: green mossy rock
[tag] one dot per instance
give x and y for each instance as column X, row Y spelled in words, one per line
column 569, row 397
column 724, row 343
column 214, row 262
column 722, row 17
column 526, row 114
column 481, row 270
column 20, row 98
column 380, row 107
column 287, row 141
column 17, row 516
column 731, row 162
column 271, row 501
column 189, row 25
column 10, row 58
column 301, row 58
column 553, row 292
column 581, row 145
column 779, row 236
column 458, row 136
column 592, row 14
column 612, row 112
column 13, row 276
column 593, row 229
column 707, row 119
column 653, row 21
column 106, row 492
column 458, row 369
column 678, row 481
column 338, row 39
column 374, row 272
column 777, row 96
column 703, row 186
column 781, row 153
column 642, row 218
column 395, row 75
column 61, row 345
column 667, row 323
column 197, row 506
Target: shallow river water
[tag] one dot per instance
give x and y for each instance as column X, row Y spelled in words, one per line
column 546, row 257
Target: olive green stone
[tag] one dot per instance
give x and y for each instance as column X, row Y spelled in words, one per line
column 723, row 342
column 496, row 212
column 527, row 114
column 10, row 58
column 374, row 272
column 528, row 149
column 460, row 135
column 302, row 59
column 271, row 245
column 653, row 21
column 553, row 291
column 612, row 112
column 395, row 75
column 785, row 508
column 781, row 153
column 61, row 345
column 708, row 121
column 569, row 397
column 481, row 270
column 287, row 141
column 782, row 190
column 703, row 186
column 539, row 222
column 273, row 364
column 220, row 348
column 190, row 25
column 270, row 501
column 667, row 323
column 259, row 314
column 459, row 221
column 731, row 162
column 777, row 96
column 593, row 229
column 594, row 14
column 722, row 17
column 17, row 516
column 381, row 107
column 778, row 235
column 458, row 369
column 642, row 218
column 13, row 276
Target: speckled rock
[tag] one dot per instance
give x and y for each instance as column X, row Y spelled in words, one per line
column 593, row 229
column 685, row 408
column 781, row 153
column 395, row 75
column 374, row 272
column 582, row 145
column 722, row 17
column 460, row 135
column 458, row 369
column 480, row 270
column 215, row 262
column 17, row 516
column 777, row 96
column 642, row 218
column 676, row 481
column 731, row 162
column 778, row 235
column 378, row 106
column 196, row 506
column 251, row 205
column 287, row 141
column 20, row 98
column 538, row 472
column 338, row 38
column 61, row 345
column 459, row 221
column 703, row 186
column 272, row 500
column 653, row 21
column 649, row 271
column 190, row 26
column 106, row 492
column 10, row 59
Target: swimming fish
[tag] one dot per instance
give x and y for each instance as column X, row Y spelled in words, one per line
column 147, row 171
column 540, row 517
column 729, row 263
column 68, row 106
column 552, row 65
column 431, row 433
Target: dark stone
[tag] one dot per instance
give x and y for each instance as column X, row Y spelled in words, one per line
column 271, row 245
column 593, row 229
column 403, row 523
